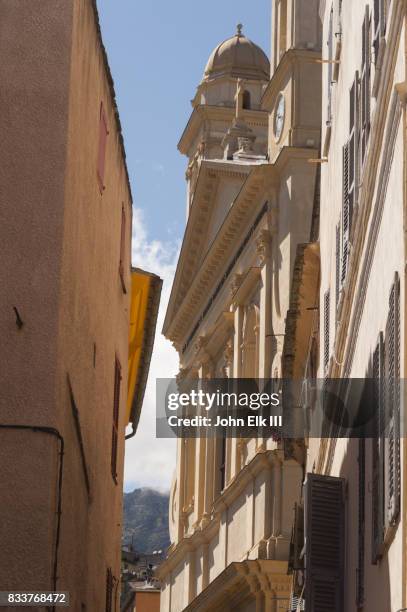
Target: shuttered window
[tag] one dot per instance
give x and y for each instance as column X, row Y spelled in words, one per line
column 392, row 378
column 350, row 174
column 379, row 26
column 330, row 44
column 324, row 543
column 347, row 212
column 378, row 453
column 115, row 424
column 123, row 250
column 109, row 590
column 103, row 134
column 386, row 460
column 337, row 263
column 365, row 88
column 327, row 307
column 354, row 130
column 296, row 561
column 360, row 572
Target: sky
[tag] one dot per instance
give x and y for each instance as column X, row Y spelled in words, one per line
column 157, row 53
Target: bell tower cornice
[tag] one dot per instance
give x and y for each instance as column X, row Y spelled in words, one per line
column 287, row 65
column 206, row 113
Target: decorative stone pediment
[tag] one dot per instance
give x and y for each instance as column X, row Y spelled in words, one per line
column 201, row 255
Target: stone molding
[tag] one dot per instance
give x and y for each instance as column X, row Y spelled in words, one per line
column 202, row 112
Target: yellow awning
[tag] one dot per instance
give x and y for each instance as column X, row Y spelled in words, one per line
column 145, row 297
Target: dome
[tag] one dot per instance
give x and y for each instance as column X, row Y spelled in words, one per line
column 238, row 57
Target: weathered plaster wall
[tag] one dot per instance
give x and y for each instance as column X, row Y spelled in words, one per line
column 93, row 320
column 60, row 268
column 35, row 43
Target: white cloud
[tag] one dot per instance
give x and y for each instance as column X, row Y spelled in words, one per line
column 151, row 462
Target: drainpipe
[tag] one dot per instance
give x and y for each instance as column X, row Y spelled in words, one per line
column 53, row 432
column 132, row 434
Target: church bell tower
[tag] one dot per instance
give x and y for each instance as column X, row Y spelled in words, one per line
column 290, row 97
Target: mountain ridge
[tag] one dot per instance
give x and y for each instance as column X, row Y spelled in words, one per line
column 145, row 520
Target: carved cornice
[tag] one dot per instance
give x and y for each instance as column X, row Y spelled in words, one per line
column 204, row 199
column 187, row 299
column 289, row 59
column 204, row 112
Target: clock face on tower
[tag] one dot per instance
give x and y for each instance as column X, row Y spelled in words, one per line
column 279, row 116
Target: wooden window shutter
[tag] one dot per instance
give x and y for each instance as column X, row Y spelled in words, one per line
column 324, row 543
column 123, row 249
column 330, row 43
column 296, row 561
column 392, row 438
column 327, row 306
column 103, row 134
column 365, row 84
column 360, row 576
column 346, row 212
column 378, row 454
column 379, row 26
column 354, row 129
column 337, row 263
column 116, row 411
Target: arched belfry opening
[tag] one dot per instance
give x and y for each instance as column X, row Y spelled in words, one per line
column 247, row 100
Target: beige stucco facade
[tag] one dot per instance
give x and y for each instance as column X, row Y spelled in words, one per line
column 251, row 194
column 360, row 290
column 62, row 241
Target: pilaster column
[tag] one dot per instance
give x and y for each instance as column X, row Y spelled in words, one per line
column 257, row 592
column 263, row 244
column 270, row 602
column 191, row 582
column 228, row 373
column 206, row 446
column 205, row 566
column 237, row 367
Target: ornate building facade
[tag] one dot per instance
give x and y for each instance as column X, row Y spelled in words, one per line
column 357, row 486
column 252, row 207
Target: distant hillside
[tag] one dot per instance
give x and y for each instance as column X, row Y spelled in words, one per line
column 145, row 517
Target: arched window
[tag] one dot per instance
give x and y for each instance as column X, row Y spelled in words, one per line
column 246, row 100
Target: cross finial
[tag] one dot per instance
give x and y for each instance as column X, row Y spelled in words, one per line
column 239, row 29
